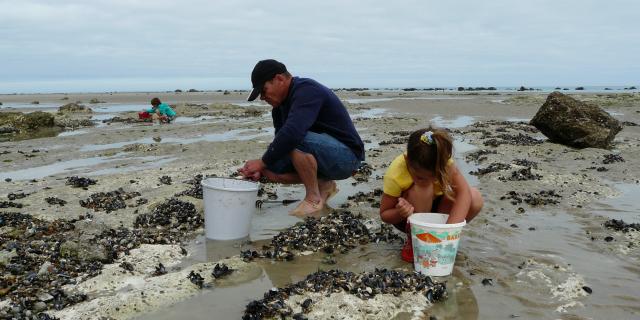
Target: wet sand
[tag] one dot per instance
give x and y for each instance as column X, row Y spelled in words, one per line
column 538, row 257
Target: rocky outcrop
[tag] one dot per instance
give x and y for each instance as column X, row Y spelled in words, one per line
column 26, row 121
column 69, row 122
column 574, row 123
column 74, row 108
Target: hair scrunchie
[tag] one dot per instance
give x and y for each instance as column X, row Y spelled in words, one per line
column 427, row 138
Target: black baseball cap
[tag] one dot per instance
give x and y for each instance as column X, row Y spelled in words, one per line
column 264, row 71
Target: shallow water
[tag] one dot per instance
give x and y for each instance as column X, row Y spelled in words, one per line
column 17, row 105
column 625, row 207
column 370, row 114
column 117, row 107
column 51, row 169
column 236, row 134
column 557, row 242
column 40, row 133
column 370, row 100
column 457, row 122
column 194, row 119
column 229, row 302
column 72, row 133
column 70, row 167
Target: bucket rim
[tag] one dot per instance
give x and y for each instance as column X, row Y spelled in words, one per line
column 435, row 225
column 254, row 185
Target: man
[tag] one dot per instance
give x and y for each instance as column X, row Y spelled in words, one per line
column 315, row 141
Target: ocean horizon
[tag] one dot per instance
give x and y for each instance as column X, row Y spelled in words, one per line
column 65, row 88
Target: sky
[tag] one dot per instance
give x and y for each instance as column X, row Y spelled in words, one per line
column 140, row 45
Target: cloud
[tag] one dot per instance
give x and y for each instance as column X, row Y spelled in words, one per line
column 347, row 42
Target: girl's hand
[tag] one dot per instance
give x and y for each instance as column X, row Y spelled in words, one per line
column 404, row 208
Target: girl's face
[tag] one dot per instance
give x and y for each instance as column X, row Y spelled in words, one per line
column 421, row 177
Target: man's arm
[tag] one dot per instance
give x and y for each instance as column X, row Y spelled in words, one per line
column 305, row 106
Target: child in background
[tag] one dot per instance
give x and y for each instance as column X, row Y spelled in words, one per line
column 163, row 110
column 426, row 179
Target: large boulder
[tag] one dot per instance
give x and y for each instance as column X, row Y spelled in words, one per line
column 574, row 123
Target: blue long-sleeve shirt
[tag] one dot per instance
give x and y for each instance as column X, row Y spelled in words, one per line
column 310, row 106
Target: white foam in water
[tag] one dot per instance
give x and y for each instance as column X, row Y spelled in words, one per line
column 193, row 119
column 101, row 117
column 458, row 122
column 370, row 113
column 250, row 104
column 518, row 120
column 72, row 133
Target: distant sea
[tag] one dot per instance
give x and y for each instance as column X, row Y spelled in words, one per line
column 589, row 89
column 170, row 84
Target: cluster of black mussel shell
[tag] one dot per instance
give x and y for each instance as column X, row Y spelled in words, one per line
column 36, row 264
column 220, row 270
column 541, row 198
column 364, row 285
column 340, row 231
column 109, row 201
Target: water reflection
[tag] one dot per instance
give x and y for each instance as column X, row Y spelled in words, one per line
column 72, row 133
column 55, row 168
column 27, row 135
column 624, row 207
column 237, row 134
column 457, row 122
column 71, row 166
column 370, row 100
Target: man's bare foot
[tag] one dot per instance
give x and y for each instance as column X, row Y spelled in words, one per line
column 328, row 190
column 307, row 208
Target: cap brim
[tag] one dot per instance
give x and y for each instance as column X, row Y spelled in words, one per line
column 254, row 93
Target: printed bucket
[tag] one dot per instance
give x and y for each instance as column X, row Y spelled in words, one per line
column 229, row 205
column 435, row 243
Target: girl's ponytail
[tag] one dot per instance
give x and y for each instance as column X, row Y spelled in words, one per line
column 444, row 147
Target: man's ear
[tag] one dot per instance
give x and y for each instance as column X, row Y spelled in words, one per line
column 280, row 77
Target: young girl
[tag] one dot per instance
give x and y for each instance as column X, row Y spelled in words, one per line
column 163, row 110
column 426, row 179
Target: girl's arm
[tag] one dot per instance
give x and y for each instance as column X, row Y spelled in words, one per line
column 462, row 193
column 393, row 209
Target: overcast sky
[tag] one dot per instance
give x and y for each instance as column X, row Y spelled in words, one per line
column 130, row 45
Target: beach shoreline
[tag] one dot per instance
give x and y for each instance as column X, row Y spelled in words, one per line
column 539, row 257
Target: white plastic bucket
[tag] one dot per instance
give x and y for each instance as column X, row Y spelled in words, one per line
column 435, row 243
column 229, row 205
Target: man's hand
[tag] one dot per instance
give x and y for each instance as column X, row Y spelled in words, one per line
column 404, row 208
column 252, row 169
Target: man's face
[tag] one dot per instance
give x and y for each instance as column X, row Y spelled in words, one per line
column 274, row 91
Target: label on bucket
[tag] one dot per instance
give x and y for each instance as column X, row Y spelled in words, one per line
column 434, row 252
